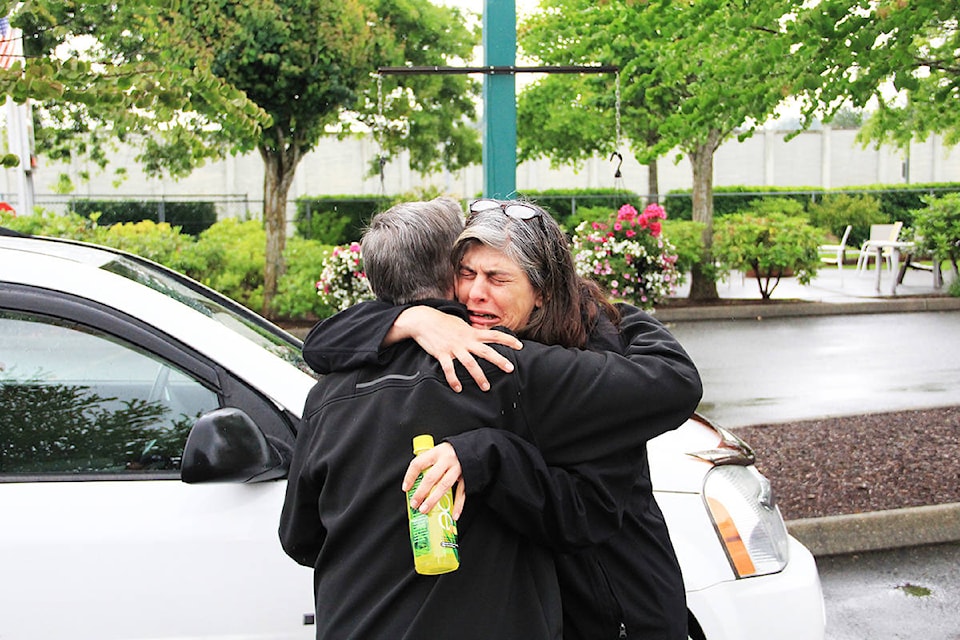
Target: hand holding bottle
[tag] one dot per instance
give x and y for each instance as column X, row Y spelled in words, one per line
column 441, row 470
column 433, row 532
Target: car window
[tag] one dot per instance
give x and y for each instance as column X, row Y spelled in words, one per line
column 211, row 304
column 78, row 401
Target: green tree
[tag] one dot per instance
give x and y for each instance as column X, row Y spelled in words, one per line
column 769, row 245
column 571, row 117
column 197, row 79
column 855, row 52
column 692, row 75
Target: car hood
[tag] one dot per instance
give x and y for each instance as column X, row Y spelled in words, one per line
column 680, row 459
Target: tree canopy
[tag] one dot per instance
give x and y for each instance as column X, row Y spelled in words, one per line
column 692, row 75
column 897, row 57
column 188, row 80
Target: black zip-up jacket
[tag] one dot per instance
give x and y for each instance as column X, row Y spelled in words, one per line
column 618, row 572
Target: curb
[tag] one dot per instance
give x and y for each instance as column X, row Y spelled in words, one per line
column 781, row 309
column 878, row 530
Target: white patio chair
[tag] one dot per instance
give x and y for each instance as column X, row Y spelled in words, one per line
column 837, row 251
column 878, row 232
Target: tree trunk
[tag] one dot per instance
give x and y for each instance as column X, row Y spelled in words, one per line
column 279, row 170
column 653, row 182
column 703, row 284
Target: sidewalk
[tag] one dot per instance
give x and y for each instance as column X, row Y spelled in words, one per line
column 828, row 294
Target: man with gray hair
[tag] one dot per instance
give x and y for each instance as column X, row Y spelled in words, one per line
column 344, row 513
column 406, row 250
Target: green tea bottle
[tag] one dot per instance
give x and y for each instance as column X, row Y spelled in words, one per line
column 433, row 535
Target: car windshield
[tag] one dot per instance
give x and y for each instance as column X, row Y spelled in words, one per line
column 213, row 305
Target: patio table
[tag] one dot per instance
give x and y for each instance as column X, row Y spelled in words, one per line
column 896, row 248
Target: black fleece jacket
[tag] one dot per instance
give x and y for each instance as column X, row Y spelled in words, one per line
column 572, row 476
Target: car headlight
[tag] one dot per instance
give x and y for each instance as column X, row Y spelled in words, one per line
column 747, row 520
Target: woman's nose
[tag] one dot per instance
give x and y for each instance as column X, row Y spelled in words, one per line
column 476, row 290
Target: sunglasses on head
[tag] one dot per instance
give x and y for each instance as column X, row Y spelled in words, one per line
column 515, row 210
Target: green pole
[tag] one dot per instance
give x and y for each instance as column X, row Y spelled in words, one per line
column 499, row 100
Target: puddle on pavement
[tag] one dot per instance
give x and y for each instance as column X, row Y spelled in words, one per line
column 915, row 590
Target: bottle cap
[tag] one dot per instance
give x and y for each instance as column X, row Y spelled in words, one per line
column 422, row 443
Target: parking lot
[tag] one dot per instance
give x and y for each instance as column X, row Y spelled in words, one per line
column 782, row 369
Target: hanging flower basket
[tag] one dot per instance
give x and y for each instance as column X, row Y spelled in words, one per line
column 629, row 256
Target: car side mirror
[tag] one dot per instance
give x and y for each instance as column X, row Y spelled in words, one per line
column 225, row 445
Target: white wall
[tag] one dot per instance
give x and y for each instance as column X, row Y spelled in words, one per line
column 826, row 159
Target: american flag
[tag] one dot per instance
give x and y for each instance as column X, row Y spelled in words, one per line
column 11, row 48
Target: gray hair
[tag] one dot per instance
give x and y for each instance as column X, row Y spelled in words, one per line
column 406, row 250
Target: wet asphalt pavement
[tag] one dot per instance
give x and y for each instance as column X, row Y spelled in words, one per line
column 903, row 593
column 784, row 369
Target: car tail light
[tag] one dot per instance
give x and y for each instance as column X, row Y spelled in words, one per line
column 746, row 519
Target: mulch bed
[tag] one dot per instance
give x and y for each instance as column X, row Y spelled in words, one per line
column 856, row 464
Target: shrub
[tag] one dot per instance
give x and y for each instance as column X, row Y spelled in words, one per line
column 836, row 211
column 771, row 245
column 335, row 220
column 565, row 205
column 191, row 216
column 50, row 224
column 229, row 257
column 297, row 297
column 686, row 236
column 937, row 227
column 158, row 242
column 954, row 289
column 775, row 204
column 731, row 199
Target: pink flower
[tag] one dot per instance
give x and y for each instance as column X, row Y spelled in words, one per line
column 654, row 210
column 627, row 212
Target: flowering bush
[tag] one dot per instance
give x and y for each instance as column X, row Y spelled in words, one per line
column 342, row 282
column 630, row 258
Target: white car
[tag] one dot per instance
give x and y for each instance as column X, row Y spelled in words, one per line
column 145, row 428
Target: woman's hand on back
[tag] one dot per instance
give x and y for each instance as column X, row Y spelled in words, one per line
column 448, row 338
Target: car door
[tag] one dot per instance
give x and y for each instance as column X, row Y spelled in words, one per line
column 99, row 538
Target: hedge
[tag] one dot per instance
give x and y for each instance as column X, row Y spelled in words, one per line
column 336, row 220
column 563, row 203
column 191, row 216
column 896, row 201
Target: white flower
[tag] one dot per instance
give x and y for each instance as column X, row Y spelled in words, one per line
column 627, row 259
column 342, row 282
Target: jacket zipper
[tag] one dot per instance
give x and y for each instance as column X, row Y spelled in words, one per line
column 614, row 599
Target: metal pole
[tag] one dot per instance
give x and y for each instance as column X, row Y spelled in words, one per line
column 499, row 100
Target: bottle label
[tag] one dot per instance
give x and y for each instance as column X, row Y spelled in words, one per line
column 433, row 533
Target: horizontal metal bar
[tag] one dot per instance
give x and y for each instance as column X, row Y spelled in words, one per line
column 496, row 70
